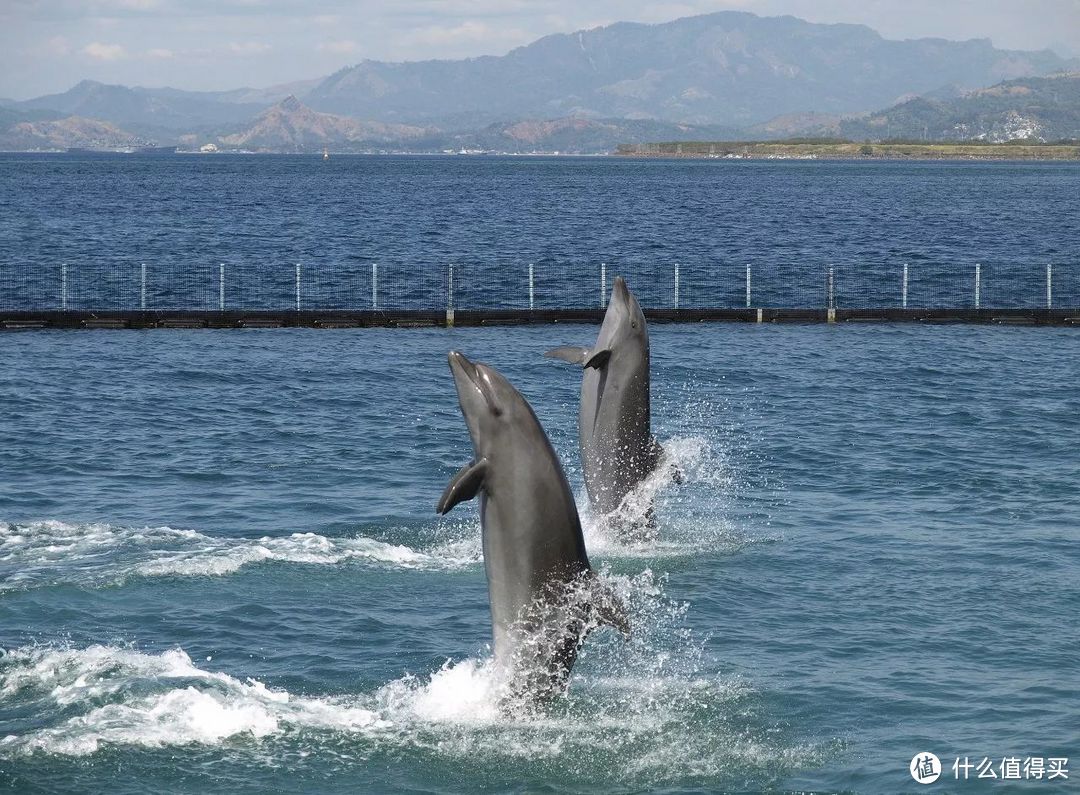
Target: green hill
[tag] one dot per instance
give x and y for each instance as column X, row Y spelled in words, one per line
column 1032, row 109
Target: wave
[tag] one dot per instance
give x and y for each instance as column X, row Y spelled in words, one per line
column 642, row 711
column 692, row 518
column 690, row 521
column 52, row 552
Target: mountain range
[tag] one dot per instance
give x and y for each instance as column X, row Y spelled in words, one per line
column 729, row 68
column 729, row 74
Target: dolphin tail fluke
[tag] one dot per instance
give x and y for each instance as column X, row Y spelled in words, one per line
column 568, row 353
column 463, row 486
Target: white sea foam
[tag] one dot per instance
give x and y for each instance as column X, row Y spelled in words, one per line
column 45, row 553
column 155, row 700
column 225, row 556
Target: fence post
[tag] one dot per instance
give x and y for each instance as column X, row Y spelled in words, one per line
column 532, row 292
column 142, row 288
column 298, row 287
column 603, row 285
column 375, row 285
column 450, row 295
column 903, row 292
column 832, row 296
column 978, row 284
column 747, row 286
column 63, row 286
column 221, row 287
column 676, row 285
column 1049, row 286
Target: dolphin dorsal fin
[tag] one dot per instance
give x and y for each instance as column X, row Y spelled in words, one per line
column 568, row 353
column 463, row 486
column 598, row 359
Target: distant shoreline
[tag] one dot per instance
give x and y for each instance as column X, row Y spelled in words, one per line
column 762, row 150
column 314, row 154
column 684, row 151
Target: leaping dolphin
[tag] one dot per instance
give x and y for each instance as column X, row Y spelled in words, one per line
column 618, row 450
column 544, row 595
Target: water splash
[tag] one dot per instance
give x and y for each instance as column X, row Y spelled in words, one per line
column 723, row 500
column 682, row 527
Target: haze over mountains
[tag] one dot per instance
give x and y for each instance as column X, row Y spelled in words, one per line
column 730, row 74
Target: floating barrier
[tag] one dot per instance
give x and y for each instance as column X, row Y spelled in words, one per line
column 276, row 319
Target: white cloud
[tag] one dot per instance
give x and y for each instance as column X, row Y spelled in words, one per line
column 468, row 32
column 137, row 5
column 104, row 52
column 160, row 52
column 343, row 47
column 57, row 45
column 248, row 47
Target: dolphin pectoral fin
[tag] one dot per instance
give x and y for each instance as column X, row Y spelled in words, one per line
column 463, row 486
column 657, row 456
column 609, row 609
column 568, row 353
column 614, row 614
column 598, row 359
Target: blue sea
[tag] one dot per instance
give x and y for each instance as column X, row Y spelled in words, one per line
column 239, row 232
column 221, row 568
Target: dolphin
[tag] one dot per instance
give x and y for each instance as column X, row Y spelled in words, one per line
column 544, row 595
column 618, row 450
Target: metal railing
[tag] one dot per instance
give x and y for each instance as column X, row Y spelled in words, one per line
column 542, row 285
column 239, row 294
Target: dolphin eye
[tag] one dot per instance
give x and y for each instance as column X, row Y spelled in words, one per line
column 633, row 324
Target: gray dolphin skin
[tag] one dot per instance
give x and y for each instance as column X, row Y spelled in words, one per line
column 618, row 450
column 544, row 595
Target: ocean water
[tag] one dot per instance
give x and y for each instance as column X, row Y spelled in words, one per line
column 220, row 567
column 220, row 563
column 236, row 227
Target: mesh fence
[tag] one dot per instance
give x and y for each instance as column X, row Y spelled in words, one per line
column 541, row 285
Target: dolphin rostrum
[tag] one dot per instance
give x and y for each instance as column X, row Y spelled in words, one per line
column 618, row 450
column 544, row 595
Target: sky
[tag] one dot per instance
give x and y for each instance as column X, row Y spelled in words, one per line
column 47, row 46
